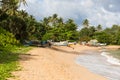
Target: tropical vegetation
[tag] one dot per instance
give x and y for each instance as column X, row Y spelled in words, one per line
column 17, row 26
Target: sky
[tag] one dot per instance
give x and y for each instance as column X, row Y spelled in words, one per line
column 104, row 12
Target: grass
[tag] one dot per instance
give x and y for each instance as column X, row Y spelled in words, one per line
column 9, row 60
column 115, row 53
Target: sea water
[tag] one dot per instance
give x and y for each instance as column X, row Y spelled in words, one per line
column 100, row 63
column 110, row 58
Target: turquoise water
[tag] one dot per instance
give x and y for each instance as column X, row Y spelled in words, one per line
column 98, row 64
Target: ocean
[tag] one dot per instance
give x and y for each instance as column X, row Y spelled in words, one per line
column 100, row 63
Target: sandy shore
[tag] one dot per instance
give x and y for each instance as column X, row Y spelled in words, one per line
column 112, row 47
column 56, row 63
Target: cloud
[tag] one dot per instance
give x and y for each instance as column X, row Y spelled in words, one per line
column 111, row 5
column 104, row 12
column 104, row 17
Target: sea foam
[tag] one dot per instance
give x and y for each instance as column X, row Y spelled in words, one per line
column 110, row 58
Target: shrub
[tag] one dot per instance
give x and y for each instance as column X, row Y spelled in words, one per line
column 7, row 39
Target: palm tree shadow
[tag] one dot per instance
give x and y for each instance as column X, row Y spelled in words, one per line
column 26, row 57
column 65, row 51
column 6, row 56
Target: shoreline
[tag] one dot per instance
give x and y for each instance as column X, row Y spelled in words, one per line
column 100, row 63
column 56, row 63
column 110, row 58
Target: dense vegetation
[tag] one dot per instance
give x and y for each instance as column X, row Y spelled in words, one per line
column 8, row 53
column 10, row 47
column 16, row 26
column 109, row 35
column 58, row 30
column 24, row 26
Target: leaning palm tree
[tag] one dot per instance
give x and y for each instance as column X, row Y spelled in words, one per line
column 10, row 6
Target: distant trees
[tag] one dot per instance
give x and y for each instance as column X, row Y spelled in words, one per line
column 103, row 37
column 87, row 32
column 56, row 29
column 117, row 38
column 86, row 23
column 24, row 26
column 99, row 28
column 108, row 35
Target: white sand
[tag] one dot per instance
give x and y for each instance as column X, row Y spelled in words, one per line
column 56, row 63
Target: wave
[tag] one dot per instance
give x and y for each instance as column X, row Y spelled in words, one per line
column 110, row 58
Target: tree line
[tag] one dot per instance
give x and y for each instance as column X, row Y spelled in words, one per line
column 109, row 35
column 25, row 27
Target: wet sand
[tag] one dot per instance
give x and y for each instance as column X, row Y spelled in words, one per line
column 99, row 64
column 56, row 63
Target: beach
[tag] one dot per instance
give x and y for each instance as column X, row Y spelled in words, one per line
column 100, row 62
column 55, row 63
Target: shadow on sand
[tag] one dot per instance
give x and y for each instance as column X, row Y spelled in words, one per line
column 26, row 57
column 71, row 51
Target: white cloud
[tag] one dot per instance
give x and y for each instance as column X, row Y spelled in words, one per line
column 111, row 6
column 104, row 12
column 104, row 17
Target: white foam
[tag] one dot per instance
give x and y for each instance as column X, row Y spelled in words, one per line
column 111, row 59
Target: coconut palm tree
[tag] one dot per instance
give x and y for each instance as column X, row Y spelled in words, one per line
column 10, row 6
column 86, row 23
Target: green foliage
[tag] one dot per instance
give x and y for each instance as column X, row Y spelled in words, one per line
column 8, row 53
column 87, row 33
column 114, row 32
column 7, row 39
column 117, row 38
column 57, row 30
column 25, row 27
column 8, row 60
column 86, row 23
column 108, row 35
column 47, row 36
column 85, row 38
column 99, row 28
column 103, row 37
column 19, row 25
column 7, row 63
column 84, row 32
column 17, row 22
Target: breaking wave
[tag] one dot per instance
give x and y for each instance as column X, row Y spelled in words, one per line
column 110, row 58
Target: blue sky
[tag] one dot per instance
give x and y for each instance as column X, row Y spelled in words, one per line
column 104, row 12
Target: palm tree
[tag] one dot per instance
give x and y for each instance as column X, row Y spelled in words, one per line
column 10, row 6
column 86, row 23
column 70, row 25
column 99, row 27
column 23, row 1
